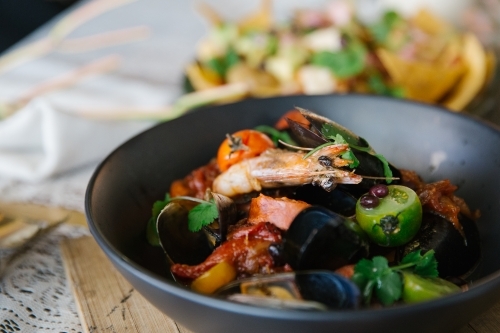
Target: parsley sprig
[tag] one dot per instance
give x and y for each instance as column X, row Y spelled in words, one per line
column 375, row 276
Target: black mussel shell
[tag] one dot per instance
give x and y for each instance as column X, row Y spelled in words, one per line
column 369, row 164
column 338, row 200
column 304, row 290
column 317, row 122
column 321, row 239
column 184, row 246
column 227, row 216
column 457, row 256
column 306, row 137
column 179, row 243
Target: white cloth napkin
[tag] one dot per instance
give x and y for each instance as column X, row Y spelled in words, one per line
column 40, row 141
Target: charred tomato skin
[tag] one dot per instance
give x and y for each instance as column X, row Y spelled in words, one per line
column 395, row 220
column 241, row 145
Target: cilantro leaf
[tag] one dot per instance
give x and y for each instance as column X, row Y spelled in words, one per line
column 425, row 265
column 385, row 165
column 202, row 215
column 389, row 288
column 345, row 63
column 376, row 276
column 276, row 135
column 335, row 135
column 151, row 232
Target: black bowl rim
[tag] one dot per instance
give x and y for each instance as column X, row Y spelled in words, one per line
column 480, row 287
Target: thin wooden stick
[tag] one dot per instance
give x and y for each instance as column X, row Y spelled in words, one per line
column 97, row 67
column 106, row 39
column 25, row 54
column 61, row 30
column 221, row 94
column 82, row 15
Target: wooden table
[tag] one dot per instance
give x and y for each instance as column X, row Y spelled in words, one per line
column 108, row 303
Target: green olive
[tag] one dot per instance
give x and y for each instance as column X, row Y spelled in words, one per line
column 394, row 219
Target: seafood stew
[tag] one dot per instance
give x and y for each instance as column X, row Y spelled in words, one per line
column 305, row 214
column 435, row 143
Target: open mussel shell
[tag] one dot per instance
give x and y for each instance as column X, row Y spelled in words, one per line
column 457, row 255
column 317, row 122
column 305, row 290
column 179, row 243
column 369, row 164
column 187, row 247
column 321, row 239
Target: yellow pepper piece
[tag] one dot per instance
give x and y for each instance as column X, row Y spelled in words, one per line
column 214, row 278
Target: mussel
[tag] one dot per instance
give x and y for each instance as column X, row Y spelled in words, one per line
column 370, row 165
column 184, row 246
column 457, row 254
column 321, row 239
column 338, row 200
column 304, row 290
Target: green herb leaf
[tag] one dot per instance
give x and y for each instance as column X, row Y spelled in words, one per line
column 151, row 232
column 381, row 30
column 345, row 63
column 425, row 265
column 376, row 276
column 202, row 215
column 333, row 134
column 378, row 86
column 389, row 288
column 222, row 64
column 276, row 135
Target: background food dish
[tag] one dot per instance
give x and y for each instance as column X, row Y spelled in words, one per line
column 337, row 48
column 435, row 143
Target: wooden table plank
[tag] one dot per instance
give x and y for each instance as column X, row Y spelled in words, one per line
column 107, row 302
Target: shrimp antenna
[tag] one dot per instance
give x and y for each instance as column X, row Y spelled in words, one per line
column 382, row 178
column 293, row 146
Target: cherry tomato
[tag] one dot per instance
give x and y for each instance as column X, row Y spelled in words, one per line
column 394, row 219
column 242, row 145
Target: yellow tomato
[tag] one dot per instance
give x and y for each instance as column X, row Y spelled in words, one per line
column 216, row 277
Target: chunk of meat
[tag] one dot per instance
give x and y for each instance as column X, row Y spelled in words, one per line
column 249, row 257
column 196, row 183
column 278, row 211
column 439, row 197
column 246, row 249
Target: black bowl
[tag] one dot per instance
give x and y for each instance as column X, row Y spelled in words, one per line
column 434, row 142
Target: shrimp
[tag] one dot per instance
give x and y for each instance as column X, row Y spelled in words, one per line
column 278, row 168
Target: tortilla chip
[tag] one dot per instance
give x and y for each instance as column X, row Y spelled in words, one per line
column 475, row 59
column 452, row 51
column 202, row 78
column 261, row 20
column 422, row 81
